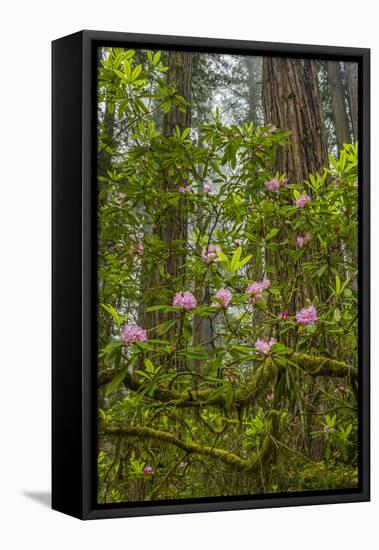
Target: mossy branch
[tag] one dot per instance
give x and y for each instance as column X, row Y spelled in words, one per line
column 311, row 365
column 248, row 465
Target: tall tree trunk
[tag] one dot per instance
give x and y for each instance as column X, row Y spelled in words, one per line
column 253, row 70
column 337, row 94
column 291, row 100
column 171, row 223
column 104, row 163
column 174, row 229
column 351, row 71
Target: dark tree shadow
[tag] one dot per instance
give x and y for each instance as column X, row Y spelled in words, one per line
column 42, row 497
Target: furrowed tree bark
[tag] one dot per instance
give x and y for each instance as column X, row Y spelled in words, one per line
column 351, row 71
column 337, row 94
column 171, row 223
column 104, row 164
column 174, row 229
column 291, row 101
column 253, row 65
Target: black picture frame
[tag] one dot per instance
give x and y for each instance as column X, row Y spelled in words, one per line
column 74, row 274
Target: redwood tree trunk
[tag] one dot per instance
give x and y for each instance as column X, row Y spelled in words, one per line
column 291, row 100
column 337, row 94
column 174, row 229
column 351, row 70
column 171, row 222
column 253, row 73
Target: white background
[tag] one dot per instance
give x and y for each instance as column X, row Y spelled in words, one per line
column 26, row 31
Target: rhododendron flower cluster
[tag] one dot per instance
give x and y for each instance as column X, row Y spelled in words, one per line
column 209, row 254
column 270, row 397
column 284, row 314
column 256, row 288
column 272, row 185
column 148, row 470
column 185, row 299
column 133, row 333
column 265, row 345
column 302, row 200
column 328, row 429
column 307, row 316
column 207, row 190
column 225, row 296
column 184, row 189
column 301, row 240
column 139, row 248
column 270, row 131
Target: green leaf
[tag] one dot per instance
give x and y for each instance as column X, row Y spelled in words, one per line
column 149, row 366
column 119, row 319
column 235, row 260
column 222, row 257
column 136, row 72
column 321, row 271
column 114, row 384
column 337, row 315
column 165, row 327
column 244, row 261
column 338, row 285
column 185, row 133
column 156, row 58
column 229, row 396
column 274, row 231
column 127, row 70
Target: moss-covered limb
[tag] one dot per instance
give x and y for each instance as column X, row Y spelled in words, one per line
column 324, row 366
column 311, row 365
column 231, row 459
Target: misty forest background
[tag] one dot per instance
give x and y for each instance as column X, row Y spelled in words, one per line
column 227, row 275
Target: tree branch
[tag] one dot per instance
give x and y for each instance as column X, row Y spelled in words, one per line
column 311, row 365
column 248, row 465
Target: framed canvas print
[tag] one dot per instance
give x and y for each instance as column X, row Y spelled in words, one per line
column 210, row 274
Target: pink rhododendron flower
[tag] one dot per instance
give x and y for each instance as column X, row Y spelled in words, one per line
column 209, row 254
column 272, row 185
column 121, row 199
column 257, row 287
column 270, row 131
column 301, row 240
column 207, row 190
column 148, row 470
column 284, row 181
column 139, row 248
column 307, row 316
column 185, row 299
column 265, row 345
column 133, row 333
column 184, row 189
column 302, row 200
column 328, row 429
column 225, row 296
column 284, row 314
column 270, row 397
